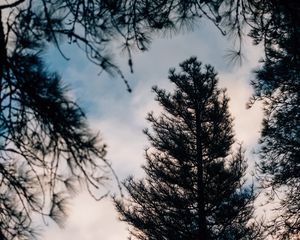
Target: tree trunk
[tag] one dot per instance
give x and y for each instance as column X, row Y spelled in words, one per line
column 202, row 234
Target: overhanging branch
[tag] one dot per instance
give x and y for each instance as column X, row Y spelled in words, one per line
column 10, row 5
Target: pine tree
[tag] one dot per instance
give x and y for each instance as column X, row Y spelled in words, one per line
column 194, row 186
column 277, row 84
column 46, row 149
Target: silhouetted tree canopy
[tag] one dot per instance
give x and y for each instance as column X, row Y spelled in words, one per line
column 192, row 175
column 46, row 149
column 277, row 83
column 29, row 26
column 93, row 25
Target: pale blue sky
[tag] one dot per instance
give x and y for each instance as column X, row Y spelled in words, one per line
column 120, row 116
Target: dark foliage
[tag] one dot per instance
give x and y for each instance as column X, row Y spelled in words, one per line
column 276, row 25
column 29, row 26
column 190, row 160
column 46, row 150
column 277, row 83
column 93, row 25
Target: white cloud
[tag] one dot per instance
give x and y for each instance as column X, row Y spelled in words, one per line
column 89, row 220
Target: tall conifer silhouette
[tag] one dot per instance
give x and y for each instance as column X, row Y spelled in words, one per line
column 194, row 186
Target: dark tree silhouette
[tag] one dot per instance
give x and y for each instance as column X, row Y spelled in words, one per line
column 275, row 24
column 27, row 27
column 90, row 25
column 277, row 83
column 194, row 186
column 46, row 150
column 93, row 25
column 46, row 147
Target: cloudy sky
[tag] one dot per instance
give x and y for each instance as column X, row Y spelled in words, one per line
column 120, row 116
